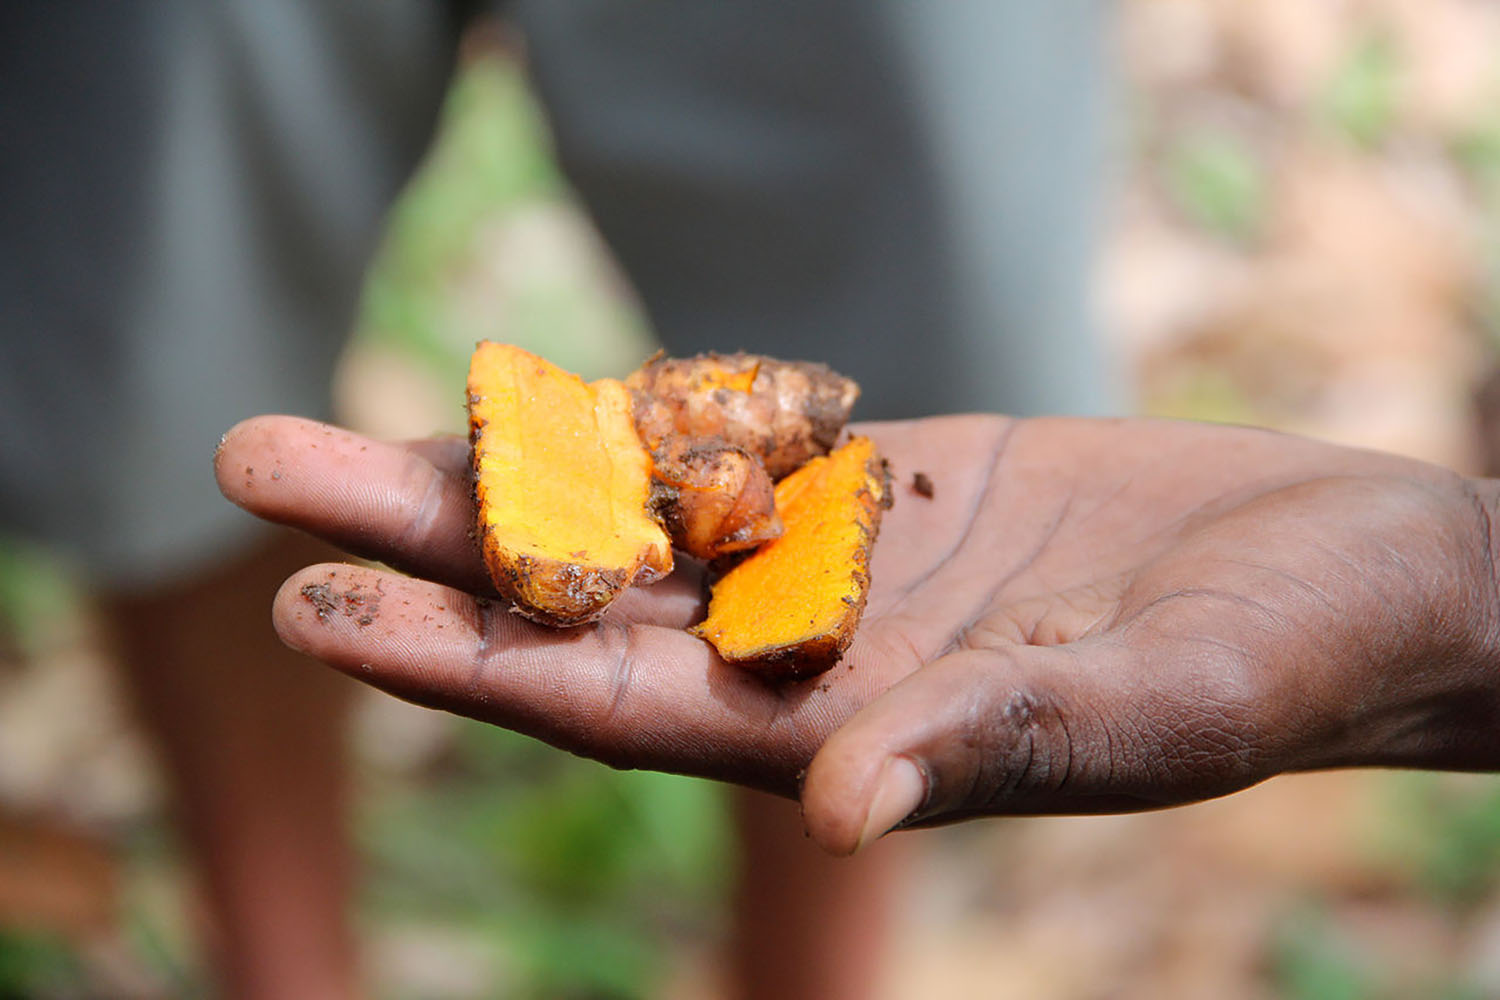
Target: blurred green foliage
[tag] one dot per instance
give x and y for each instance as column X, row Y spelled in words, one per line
column 37, row 966
column 1477, row 150
column 1203, row 392
column 37, row 596
column 1445, row 830
column 578, row 875
column 1312, row 958
column 488, row 156
column 1362, row 98
column 1214, row 178
column 1310, row 962
column 489, row 166
column 1440, row 833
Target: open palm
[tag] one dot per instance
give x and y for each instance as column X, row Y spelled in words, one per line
column 1085, row 616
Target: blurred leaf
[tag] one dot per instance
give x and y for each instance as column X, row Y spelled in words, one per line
column 37, row 596
column 591, row 335
column 685, row 824
column 574, row 839
column 584, row 873
column 152, row 917
column 490, row 154
column 1312, row 959
column 36, row 965
column 1201, row 392
column 1448, row 830
column 1215, row 180
column 1477, row 151
column 1309, row 962
column 582, row 956
column 1363, row 96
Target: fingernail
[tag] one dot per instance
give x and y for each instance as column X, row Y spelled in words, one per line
column 898, row 793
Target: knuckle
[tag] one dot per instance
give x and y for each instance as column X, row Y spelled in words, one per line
column 614, row 697
column 492, row 625
column 1040, row 735
column 1018, row 742
column 422, row 493
column 607, row 728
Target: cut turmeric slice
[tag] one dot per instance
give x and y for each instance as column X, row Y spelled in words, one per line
column 563, row 486
column 790, row 609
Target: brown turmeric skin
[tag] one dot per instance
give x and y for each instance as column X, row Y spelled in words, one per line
column 711, row 420
column 789, row 610
column 713, row 498
column 783, row 412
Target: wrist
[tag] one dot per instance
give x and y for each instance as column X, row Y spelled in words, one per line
column 1426, row 690
column 1451, row 718
column 1484, row 494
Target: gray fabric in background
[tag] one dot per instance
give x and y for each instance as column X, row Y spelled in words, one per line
column 239, row 156
column 191, row 190
column 908, row 191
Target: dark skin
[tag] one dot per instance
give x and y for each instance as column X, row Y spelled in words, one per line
column 1087, row 616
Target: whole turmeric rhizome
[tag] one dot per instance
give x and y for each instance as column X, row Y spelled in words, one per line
column 584, row 489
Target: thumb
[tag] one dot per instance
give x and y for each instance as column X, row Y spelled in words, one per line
column 1079, row 728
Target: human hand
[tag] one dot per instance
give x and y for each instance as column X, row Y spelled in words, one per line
column 1087, row 616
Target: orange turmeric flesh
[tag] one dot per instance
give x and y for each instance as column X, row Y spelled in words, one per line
column 790, row 609
column 563, row 486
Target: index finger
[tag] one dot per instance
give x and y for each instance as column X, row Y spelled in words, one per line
column 408, row 506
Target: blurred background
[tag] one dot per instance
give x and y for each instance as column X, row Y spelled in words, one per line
column 1305, row 233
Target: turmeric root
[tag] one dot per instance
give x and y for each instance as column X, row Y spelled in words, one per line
column 783, row 412
column 721, row 428
column 712, row 497
column 563, row 486
column 789, row 610
column 583, row 488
